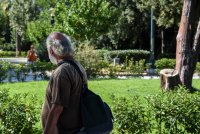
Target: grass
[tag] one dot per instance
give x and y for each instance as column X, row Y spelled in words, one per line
column 105, row 88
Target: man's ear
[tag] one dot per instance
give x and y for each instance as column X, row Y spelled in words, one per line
column 51, row 51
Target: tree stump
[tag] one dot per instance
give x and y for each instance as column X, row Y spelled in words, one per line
column 169, row 78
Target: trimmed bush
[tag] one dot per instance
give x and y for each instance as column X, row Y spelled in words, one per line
column 7, row 54
column 20, row 71
column 39, row 69
column 134, row 55
column 165, row 63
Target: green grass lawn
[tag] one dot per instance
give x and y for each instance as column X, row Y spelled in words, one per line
column 105, row 88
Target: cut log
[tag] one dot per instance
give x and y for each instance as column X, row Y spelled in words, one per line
column 169, row 79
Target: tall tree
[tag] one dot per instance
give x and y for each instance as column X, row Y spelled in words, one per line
column 83, row 20
column 188, row 41
column 19, row 14
column 127, row 32
column 166, row 16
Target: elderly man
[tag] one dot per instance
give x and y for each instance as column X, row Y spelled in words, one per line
column 61, row 108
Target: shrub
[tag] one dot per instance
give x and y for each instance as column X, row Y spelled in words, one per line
column 4, row 68
column 102, row 54
column 137, row 67
column 17, row 113
column 175, row 112
column 135, row 55
column 7, row 54
column 91, row 60
column 130, row 116
column 7, row 46
column 165, row 63
column 41, row 68
column 21, row 71
column 113, row 70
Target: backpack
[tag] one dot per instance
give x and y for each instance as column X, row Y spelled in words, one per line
column 96, row 115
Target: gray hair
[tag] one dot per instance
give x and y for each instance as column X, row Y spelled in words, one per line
column 60, row 43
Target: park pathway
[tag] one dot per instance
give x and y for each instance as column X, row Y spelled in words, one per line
column 15, row 60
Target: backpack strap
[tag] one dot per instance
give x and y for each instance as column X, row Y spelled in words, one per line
column 71, row 62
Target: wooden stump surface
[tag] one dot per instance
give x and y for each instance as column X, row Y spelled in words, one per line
column 169, row 78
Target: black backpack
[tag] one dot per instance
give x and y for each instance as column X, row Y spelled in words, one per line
column 96, row 115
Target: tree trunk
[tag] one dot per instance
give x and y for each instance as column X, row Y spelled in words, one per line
column 162, row 42
column 185, row 62
column 18, row 44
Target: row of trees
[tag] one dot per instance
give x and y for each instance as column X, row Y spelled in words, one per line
column 111, row 24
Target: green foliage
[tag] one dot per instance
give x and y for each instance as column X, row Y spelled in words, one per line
column 7, row 54
column 42, row 52
column 2, row 26
column 130, row 116
column 136, row 67
column 40, row 69
column 4, row 67
column 19, row 14
column 129, row 28
column 175, row 112
column 164, row 64
column 114, row 70
column 186, row 103
column 134, row 55
column 91, row 60
column 38, row 30
column 84, row 19
column 18, row 113
column 167, row 12
column 20, row 71
column 7, row 47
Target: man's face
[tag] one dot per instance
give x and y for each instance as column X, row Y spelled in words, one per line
column 51, row 57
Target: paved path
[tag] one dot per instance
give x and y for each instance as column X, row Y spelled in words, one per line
column 14, row 60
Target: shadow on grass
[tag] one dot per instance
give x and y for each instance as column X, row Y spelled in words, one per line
column 194, row 90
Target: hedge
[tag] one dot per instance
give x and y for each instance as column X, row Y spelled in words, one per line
column 135, row 55
column 6, row 54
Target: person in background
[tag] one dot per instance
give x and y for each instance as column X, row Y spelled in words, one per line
column 31, row 55
column 61, row 109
